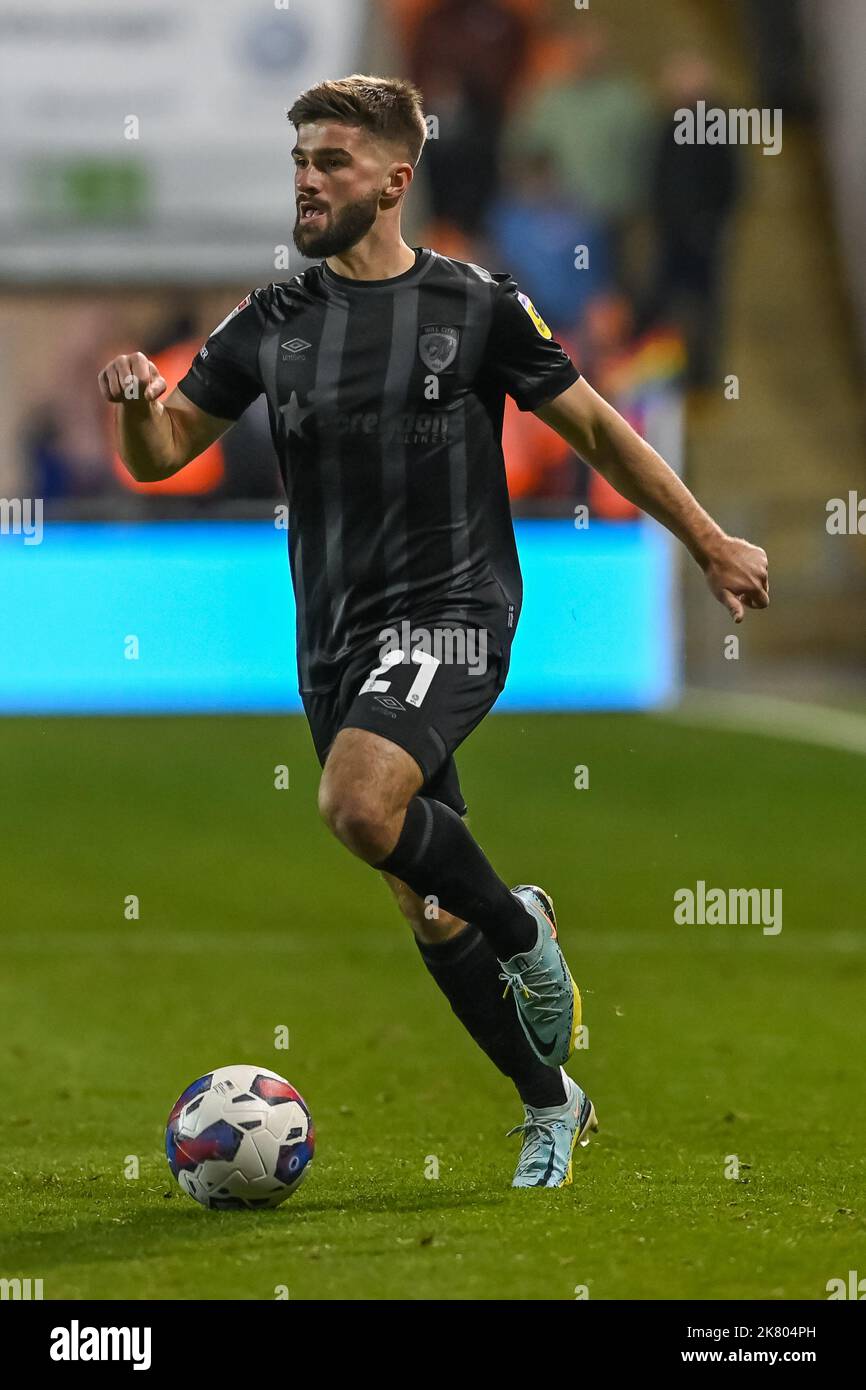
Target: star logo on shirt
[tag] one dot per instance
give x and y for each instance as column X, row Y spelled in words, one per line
column 294, row 414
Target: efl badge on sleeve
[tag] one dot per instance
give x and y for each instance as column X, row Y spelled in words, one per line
column 243, row 304
column 534, row 315
column 437, row 346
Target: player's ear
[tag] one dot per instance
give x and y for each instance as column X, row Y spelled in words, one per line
column 397, row 179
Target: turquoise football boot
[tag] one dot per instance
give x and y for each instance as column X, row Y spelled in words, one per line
column 547, row 999
column 549, row 1137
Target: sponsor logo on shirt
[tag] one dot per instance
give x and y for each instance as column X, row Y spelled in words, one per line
column 409, row 426
column 534, row 315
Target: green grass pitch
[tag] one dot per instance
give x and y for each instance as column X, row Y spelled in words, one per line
column 704, row 1041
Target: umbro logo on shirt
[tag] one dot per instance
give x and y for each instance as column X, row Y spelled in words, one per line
column 295, row 347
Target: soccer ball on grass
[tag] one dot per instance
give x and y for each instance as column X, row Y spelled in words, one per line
column 240, row 1137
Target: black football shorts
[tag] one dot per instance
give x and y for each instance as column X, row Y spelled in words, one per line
column 427, row 702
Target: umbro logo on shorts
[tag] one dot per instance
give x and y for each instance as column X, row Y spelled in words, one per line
column 389, row 701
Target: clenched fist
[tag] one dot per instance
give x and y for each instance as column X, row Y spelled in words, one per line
column 131, row 378
column 737, row 575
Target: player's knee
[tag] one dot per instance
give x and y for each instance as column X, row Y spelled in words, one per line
column 357, row 819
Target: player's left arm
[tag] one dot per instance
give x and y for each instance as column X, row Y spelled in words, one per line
column 736, row 571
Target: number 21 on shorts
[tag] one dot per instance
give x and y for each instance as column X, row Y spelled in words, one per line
column 426, row 663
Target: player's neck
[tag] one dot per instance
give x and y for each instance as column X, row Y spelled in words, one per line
column 373, row 258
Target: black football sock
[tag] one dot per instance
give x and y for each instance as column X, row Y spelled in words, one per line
column 467, row 972
column 436, row 855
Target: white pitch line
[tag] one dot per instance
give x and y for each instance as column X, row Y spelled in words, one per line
column 820, row 725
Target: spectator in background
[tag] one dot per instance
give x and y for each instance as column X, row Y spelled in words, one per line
column 64, row 438
column 595, row 121
column 693, row 194
column 466, row 56
column 536, row 229
column 67, row 435
column 774, row 30
column 640, row 374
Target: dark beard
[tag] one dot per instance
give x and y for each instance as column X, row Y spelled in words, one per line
column 345, row 231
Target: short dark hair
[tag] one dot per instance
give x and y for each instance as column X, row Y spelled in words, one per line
column 389, row 107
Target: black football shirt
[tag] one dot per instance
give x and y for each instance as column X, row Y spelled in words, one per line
column 385, row 401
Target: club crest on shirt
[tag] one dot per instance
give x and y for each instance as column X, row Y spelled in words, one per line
column 437, row 346
column 534, row 315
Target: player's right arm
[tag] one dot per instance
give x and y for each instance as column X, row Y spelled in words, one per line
column 155, row 438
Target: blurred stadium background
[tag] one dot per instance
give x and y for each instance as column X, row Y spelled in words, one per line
column 145, row 187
